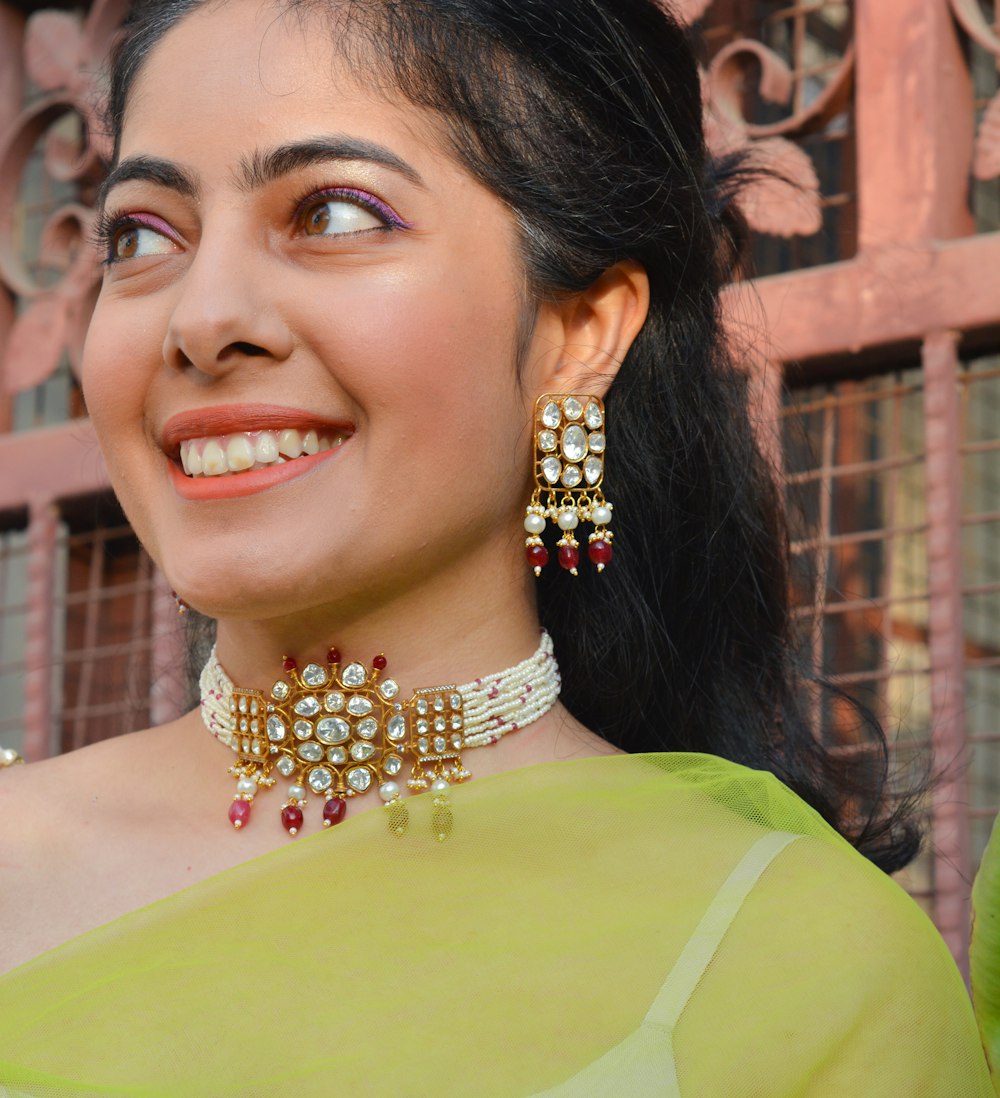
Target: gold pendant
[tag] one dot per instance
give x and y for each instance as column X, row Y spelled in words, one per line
column 336, row 731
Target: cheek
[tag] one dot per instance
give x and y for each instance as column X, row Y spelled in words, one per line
column 432, row 367
column 441, row 405
column 114, row 377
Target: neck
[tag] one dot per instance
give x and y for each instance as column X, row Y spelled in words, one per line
column 465, row 621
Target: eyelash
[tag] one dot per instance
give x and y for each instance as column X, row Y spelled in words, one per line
column 110, row 224
column 367, row 201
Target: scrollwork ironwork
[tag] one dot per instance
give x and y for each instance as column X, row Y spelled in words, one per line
column 986, row 158
column 785, row 199
column 64, row 57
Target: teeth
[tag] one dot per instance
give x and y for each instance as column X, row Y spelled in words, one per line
column 215, row 457
column 265, row 449
column 290, row 443
column 239, row 453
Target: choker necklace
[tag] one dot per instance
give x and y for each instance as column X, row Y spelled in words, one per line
column 338, row 730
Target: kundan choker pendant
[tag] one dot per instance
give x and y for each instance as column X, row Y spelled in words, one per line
column 338, row 731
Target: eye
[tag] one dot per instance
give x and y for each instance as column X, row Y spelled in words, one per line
column 134, row 241
column 334, row 215
column 131, row 237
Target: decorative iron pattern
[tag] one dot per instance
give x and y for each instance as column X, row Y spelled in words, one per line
column 63, row 56
column 971, row 16
column 984, row 59
column 778, row 77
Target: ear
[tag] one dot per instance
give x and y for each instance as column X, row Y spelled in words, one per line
column 581, row 340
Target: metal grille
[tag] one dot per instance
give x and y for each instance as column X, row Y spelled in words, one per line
column 856, row 498
column 980, row 450
column 106, row 611
column 855, row 495
column 811, row 37
column 13, row 630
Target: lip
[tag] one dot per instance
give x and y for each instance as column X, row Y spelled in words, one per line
column 236, row 485
column 229, row 419
column 226, row 419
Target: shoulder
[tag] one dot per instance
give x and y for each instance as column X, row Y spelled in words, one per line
column 64, row 823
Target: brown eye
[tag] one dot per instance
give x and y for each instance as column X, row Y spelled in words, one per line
column 318, row 220
column 134, row 241
column 127, row 244
column 333, row 216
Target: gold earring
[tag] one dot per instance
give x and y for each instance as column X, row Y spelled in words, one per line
column 569, row 470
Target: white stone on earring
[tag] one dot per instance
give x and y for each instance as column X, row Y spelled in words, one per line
column 388, row 791
column 568, row 520
column 534, row 524
column 601, row 515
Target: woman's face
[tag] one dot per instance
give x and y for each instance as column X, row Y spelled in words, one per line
column 295, row 262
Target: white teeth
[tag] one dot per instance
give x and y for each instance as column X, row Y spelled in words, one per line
column 290, row 443
column 213, row 459
column 239, row 453
column 266, row 448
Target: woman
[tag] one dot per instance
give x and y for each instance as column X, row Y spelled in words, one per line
column 369, row 267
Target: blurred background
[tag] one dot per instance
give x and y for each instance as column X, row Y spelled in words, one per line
column 870, row 337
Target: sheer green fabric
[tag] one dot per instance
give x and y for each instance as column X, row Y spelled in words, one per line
column 640, row 925
column 984, row 951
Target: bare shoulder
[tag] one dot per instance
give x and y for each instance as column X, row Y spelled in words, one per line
column 72, row 843
column 37, row 797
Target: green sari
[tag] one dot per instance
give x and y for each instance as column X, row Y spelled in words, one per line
column 629, row 925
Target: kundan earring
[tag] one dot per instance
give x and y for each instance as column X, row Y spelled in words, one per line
column 569, row 470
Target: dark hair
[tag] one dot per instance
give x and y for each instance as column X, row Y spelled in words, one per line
column 585, row 117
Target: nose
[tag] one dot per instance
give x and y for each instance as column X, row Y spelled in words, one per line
column 224, row 314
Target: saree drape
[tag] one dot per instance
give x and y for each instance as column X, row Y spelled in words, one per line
column 633, row 925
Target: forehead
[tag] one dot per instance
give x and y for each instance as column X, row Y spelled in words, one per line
column 253, row 72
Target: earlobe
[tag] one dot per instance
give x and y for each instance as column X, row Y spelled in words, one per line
column 598, row 326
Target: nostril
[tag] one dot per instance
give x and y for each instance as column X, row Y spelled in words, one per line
column 248, row 349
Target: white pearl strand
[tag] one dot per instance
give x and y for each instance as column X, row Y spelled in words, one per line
column 492, row 707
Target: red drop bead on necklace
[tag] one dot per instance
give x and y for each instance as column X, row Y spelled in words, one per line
column 379, row 663
column 239, row 814
column 333, row 656
column 334, row 811
column 288, row 663
column 291, row 817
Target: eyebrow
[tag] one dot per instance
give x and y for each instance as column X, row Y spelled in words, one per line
column 152, row 170
column 262, row 167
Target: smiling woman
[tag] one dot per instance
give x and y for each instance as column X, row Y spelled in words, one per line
column 387, row 288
